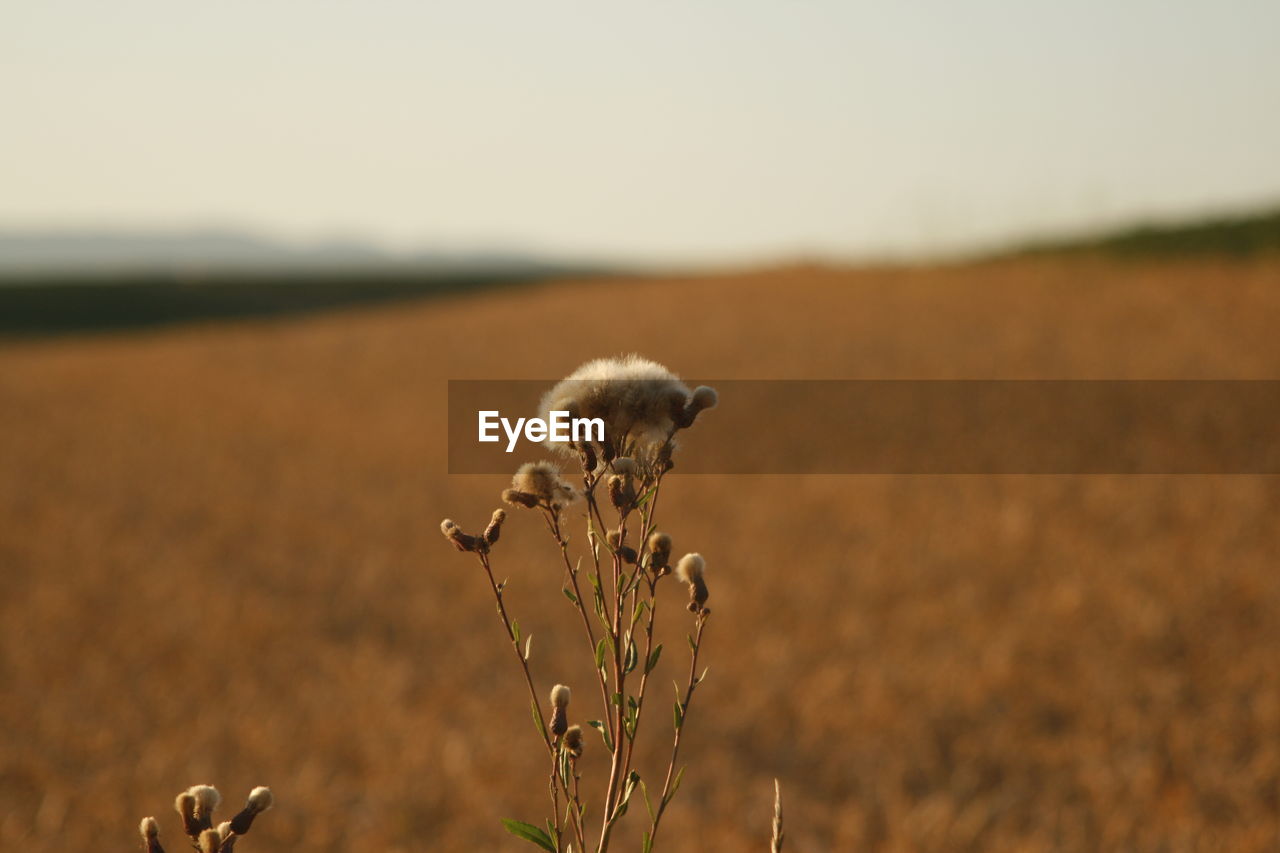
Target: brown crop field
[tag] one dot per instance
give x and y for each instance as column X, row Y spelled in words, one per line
column 220, row 562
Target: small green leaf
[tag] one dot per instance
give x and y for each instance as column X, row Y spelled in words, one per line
column 600, row 649
column 604, row 733
column 692, row 644
column 679, row 716
column 530, row 833
column 616, row 698
column 568, row 593
column 538, row 722
column 653, row 659
column 515, row 630
column 675, row 786
column 644, row 792
column 630, row 662
column 646, row 844
column 644, row 499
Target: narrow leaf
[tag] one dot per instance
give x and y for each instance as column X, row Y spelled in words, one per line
column 528, row 645
column 675, row 786
column 653, row 659
column 630, row 662
column 538, row 722
column 530, row 833
column 644, row 792
column 568, row 593
column 604, row 733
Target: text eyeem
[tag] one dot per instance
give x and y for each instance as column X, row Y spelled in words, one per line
column 559, row 426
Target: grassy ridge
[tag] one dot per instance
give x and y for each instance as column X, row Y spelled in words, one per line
column 1235, row 236
column 43, row 306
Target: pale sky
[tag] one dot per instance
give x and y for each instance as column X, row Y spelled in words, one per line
column 660, row 130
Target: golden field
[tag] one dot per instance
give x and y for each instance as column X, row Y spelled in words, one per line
column 221, row 563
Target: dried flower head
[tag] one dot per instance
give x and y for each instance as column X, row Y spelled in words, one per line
column 260, row 799
column 573, row 741
column 494, row 529
column 559, row 710
column 209, row 841
column 461, row 541
column 660, row 552
column 515, row 497
column 207, row 799
column 621, row 493
column 542, row 480
column 185, row 805
column 224, row 831
column 625, row 465
column 149, row 828
column 690, row 570
column 634, row 397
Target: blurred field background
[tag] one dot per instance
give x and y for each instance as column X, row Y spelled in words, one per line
column 245, row 245
column 221, row 563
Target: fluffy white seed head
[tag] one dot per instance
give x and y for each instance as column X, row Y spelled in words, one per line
column 149, row 828
column 573, row 741
column 209, row 841
column 261, row 799
column 690, row 567
column 224, row 830
column 542, row 479
column 635, row 397
column 560, row 696
column 207, row 799
column 703, row 398
column 625, row 465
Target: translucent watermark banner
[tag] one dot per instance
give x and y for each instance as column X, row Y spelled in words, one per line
column 912, row 427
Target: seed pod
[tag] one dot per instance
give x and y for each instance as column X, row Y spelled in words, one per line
column 209, row 842
column 607, row 450
column 461, row 541
column 207, row 799
column 628, row 554
column 587, row 455
column 260, row 799
column 621, row 493
column 573, row 742
column 659, row 552
column 226, row 837
column 690, row 570
column 494, row 529
column 559, row 710
column 150, row 830
column 515, row 497
column 703, row 398
column 185, row 805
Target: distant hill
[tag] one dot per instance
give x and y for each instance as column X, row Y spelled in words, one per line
column 25, row 253
column 1231, row 235
column 55, row 282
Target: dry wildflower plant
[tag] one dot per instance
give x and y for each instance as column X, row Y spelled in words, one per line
column 195, row 807
column 613, row 587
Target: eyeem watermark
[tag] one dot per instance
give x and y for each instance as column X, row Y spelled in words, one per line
column 559, row 426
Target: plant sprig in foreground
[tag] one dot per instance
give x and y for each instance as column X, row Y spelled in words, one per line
column 613, row 586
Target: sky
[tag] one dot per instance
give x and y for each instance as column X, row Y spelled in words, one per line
column 690, row 131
